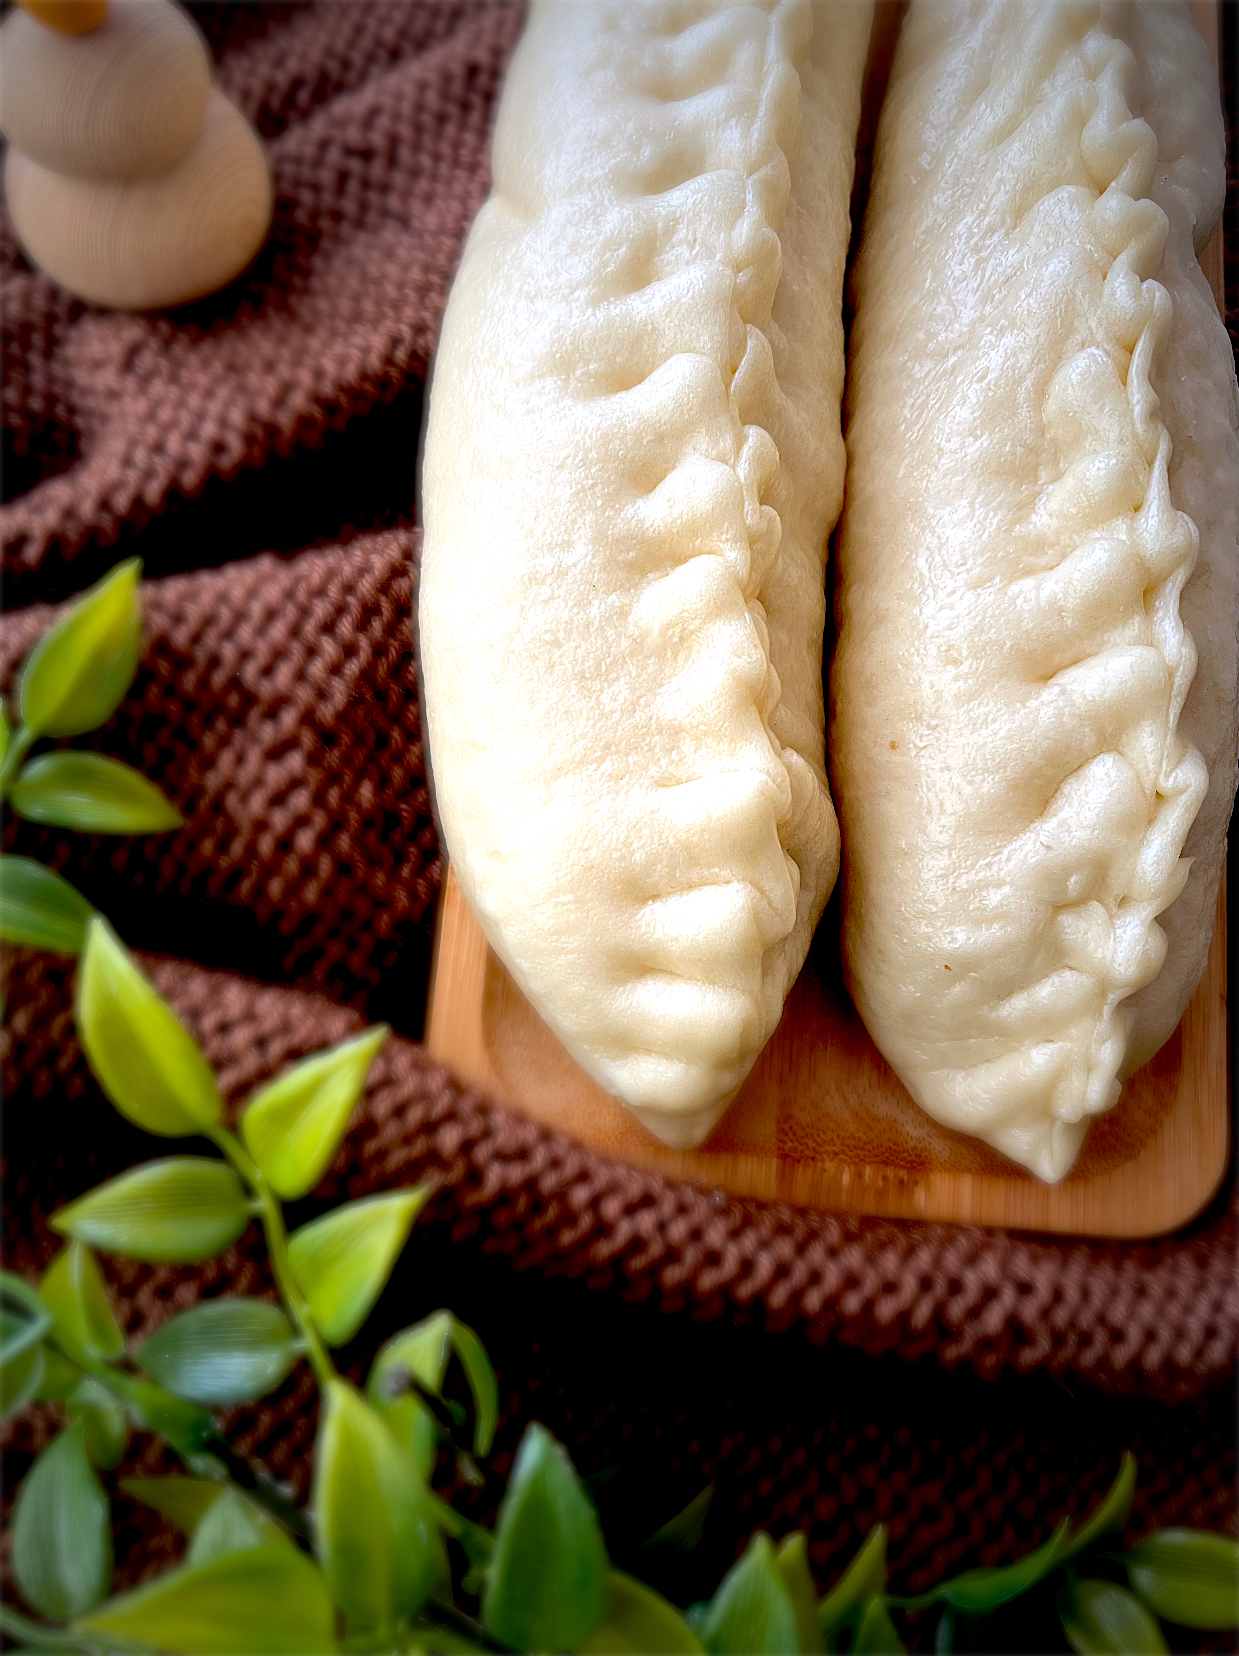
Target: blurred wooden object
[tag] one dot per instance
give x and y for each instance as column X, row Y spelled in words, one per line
column 71, row 17
column 129, row 180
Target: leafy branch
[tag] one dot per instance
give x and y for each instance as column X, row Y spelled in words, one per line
column 381, row 1562
column 72, row 682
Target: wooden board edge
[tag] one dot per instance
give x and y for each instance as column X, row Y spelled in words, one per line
column 454, row 1032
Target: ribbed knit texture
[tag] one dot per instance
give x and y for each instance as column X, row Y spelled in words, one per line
column 258, row 451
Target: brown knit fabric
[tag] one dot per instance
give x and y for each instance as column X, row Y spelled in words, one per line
column 257, row 451
column 277, row 704
column 1157, row 1318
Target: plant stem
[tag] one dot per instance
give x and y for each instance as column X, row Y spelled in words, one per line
column 914, row 1606
column 447, row 1615
column 19, row 741
column 40, row 1637
column 272, row 1217
column 242, row 1474
column 18, row 1626
column 402, row 1379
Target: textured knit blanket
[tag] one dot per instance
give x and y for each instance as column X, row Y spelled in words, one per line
column 257, row 451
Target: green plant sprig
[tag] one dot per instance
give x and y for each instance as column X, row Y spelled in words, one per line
column 768, row 1601
column 72, row 682
column 369, row 1571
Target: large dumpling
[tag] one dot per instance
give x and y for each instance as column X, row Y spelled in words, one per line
column 633, row 465
column 1039, row 539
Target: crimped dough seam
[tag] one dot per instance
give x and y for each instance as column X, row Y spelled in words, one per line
column 1126, row 951
column 753, row 394
column 692, row 965
column 1055, row 925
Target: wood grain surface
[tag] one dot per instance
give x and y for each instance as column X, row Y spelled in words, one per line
column 823, row 1121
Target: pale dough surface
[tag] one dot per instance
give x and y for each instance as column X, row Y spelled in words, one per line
column 632, row 468
column 1039, row 541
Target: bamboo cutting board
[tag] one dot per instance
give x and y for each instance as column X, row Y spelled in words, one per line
column 823, row 1121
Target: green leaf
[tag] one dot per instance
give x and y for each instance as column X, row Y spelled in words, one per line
column 977, row 1591
column 20, row 1333
column 147, row 1063
column 864, row 1579
column 792, row 1561
column 342, row 1260
column 876, row 1635
column 187, row 1427
column 944, row 1633
column 482, row 1383
column 182, row 1209
column 639, row 1620
column 233, row 1524
column 422, row 1351
column 24, row 1320
column 1111, row 1515
column 293, row 1127
column 1188, row 1576
column 62, row 1538
column 20, row 1379
column 60, row 1376
column 684, row 1531
column 105, row 1426
column 77, row 673
column 40, row 909
column 203, row 1464
column 1101, row 1619
column 92, row 794
column 267, row 1601
column 73, row 1291
column 547, row 1586
column 186, row 1501
column 377, row 1535
column 478, row 1543
column 222, row 1351
column 24, row 1316
column 4, row 733
column 752, row 1613
column 35, row 1635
